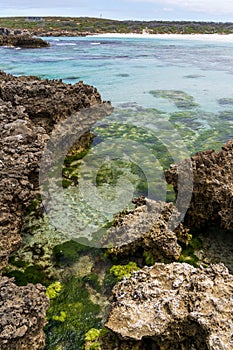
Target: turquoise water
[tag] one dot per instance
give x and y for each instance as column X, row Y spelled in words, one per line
column 125, row 70
column 171, row 98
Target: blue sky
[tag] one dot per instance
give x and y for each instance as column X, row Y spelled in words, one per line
column 203, row 10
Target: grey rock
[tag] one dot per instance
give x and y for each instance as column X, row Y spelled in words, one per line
column 174, row 303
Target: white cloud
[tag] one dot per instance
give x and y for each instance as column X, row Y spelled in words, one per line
column 206, row 6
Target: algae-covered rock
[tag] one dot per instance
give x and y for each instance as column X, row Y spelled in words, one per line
column 180, row 98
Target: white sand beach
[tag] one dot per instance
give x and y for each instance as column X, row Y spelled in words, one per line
column 205, row 37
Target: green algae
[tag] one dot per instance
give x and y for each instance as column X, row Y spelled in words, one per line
column 53, row 290
column 68, row 252
column 60, row 318
column 148, row 258
column 93, row 280
column 188, row 254
column 226, row 101
column 180, row 98
column 226, row 115
column 70, row 316
column 25, row 274
column 121, row 271
column 93, row 338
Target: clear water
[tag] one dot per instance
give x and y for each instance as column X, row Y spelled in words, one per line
column 125, row 70
column 166, row 95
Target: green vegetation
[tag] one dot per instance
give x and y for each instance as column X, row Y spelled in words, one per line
column 121, row 271
column 93, row 338
column 149, row 258
column 180, row 98
column 24, row 273
column 188, row 253
column 71, row 315
column 83, row 25
column 68, row 252
column 53, row 290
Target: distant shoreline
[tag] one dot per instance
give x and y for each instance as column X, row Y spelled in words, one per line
column 208, row 37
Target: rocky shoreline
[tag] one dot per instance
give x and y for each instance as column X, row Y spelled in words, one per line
column 170, row 305
column 20, row 38
column 30, row 108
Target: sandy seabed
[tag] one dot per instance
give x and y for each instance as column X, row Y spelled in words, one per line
column 207, row 37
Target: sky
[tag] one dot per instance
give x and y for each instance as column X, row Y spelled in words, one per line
column 196, row 10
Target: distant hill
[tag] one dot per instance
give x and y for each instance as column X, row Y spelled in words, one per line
column 84, row 25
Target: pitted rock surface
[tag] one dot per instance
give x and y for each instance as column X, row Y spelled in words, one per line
column 174, row 303
column 30, row 108
column 153, row 226
column 22, row 316
column 212, row 192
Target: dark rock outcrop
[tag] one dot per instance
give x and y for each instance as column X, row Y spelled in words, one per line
column 30, row 109
column 152, row 226
column 23, row 311
column 20, row 38
column 174, row 306
column 212, row 193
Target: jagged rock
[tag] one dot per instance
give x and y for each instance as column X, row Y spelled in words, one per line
column 152, row 227
column 22, row 316
column 175, row 306
column 212, row 198
column 20, row 38
column 29, row 110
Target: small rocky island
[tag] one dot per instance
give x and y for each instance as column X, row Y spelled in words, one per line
column 161, row 304
column 20, row 38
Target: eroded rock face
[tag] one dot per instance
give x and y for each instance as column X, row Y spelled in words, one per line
column 29, row 110
column 22, row 316
column 212, row 199
column 20, row 38
column 175, row 306
column 153, row 226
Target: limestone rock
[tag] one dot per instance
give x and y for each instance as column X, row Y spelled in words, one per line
column 30, row 108
column 212, row 192
column 22, row 316
column 152, row 226
column 176, row 306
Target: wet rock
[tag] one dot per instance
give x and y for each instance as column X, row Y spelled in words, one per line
column 29, row 110
column 212, row 192
column 175, row 306
column 20, row 38
column 153, row 226
column 23, row 311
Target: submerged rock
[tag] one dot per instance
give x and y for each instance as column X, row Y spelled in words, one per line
column 23, row 311
column 212, row 192
column 174, row 306
column 153, row 226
